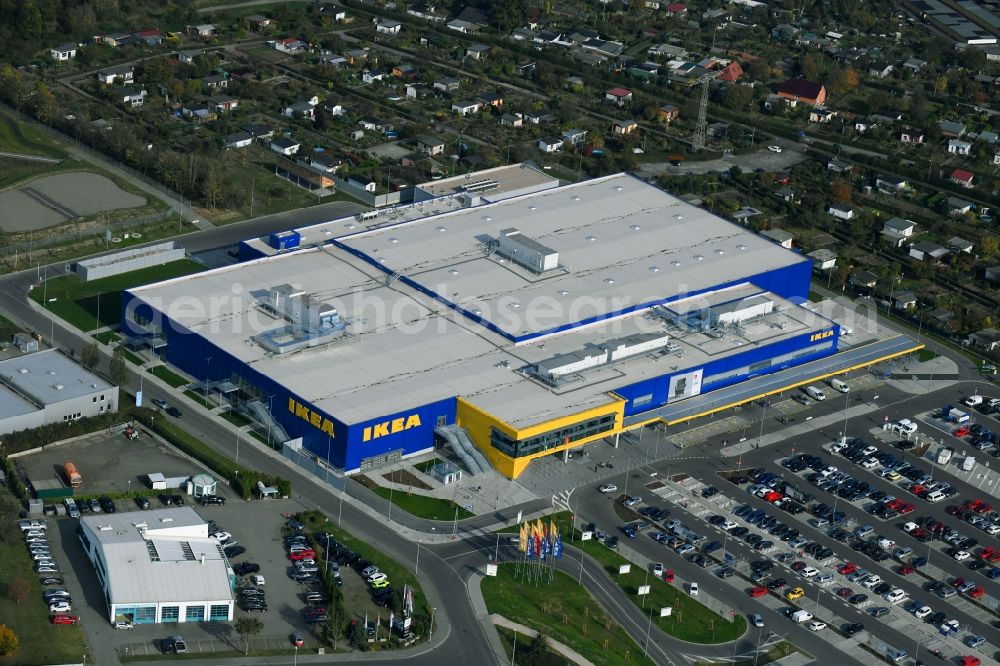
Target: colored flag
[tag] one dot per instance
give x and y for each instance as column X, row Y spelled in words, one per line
column 530, row 551
column 538, row 540
column 409, row 600
column 522, row 544
column 557, row 550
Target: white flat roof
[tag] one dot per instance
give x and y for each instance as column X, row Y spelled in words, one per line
column 160, row 556
column 49, row 376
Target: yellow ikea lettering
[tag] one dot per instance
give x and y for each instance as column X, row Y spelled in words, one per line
column 390, row 427
column 820, row 336
column 311, row 417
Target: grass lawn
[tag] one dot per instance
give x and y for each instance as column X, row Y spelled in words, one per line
column 107, row 337
column 8, row 328
column 424, row 466
column 40, row 641
column 130, row 357
column 524, row 651
column 169, row 376
column 80, row 302
column 422, row 506
column 815, row 297
column 563, row 610
column 18, row 137
column 690, row 620
column 237, row 420
column 926, row 355
column 199, row 399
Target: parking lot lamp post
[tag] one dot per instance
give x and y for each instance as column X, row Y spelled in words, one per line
column 295, row 659
column 389, row 516
column 237, row 447
column 649, row 625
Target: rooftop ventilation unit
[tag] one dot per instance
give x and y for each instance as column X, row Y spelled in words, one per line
column 481, row 185
column 309, row 320
column 526, row 252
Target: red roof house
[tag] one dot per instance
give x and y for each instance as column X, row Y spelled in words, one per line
column 962, row 177
column 676, row 9
column 801, row 90
column 731, row 73
column 618, row 95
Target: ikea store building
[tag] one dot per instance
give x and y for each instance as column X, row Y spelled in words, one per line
column 510, row 327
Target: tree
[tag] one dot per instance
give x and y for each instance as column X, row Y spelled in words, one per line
column 46, row 106
column 8, row 639
column 840, row 190
column 845, row 80
column 28, row 20
column 18, row 590
column 811, row 66
column 247, row 627
column 89, row 356
column 509, row 14
column 118, row 370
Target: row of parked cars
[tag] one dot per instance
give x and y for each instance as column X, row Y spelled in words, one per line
column 58, row 599
column 339, row 555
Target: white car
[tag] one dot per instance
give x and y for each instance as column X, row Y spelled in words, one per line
column 658, row 569
column 774, row 149
column 817, row 626
column 608, row 488
column 693, row 589
column 992, row 529
column 60, row 607
column 961, row 556
column 257, row 580
column 377, row 576
column 895, row 596
column 809, row 572
column 922, row 612
column 122, row 624
column 222, row 537
column 729, row 525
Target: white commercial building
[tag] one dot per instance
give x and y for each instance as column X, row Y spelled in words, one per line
column 159, row 566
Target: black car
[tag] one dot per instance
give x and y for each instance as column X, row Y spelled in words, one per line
column 174, row 412
column 167, row 500
column 107, row 504
column 878, row 611
column 724, row 572
column 142, row 502
column 709, row 491
column 245, row 568
column 234, row 551
column 936, row 618
column 762, row 565
column 777, row 584
column 857, row 599
column 852, row 628
column 51, row 580
column 712, row 546
column 206, row 500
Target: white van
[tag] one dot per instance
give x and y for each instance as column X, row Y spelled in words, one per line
column 839, row 385
column 935, row 496
column 815, row 393
column 801, row 616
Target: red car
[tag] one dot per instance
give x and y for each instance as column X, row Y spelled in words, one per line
column 847, row 568
column 65, row 619
column 906, row 570
column 961, row 432
column 302, row 555
column 973, row 504
column 905, row 509
column 772, row 496
column 758, row 592
column 798, row 566
column 895, row 504
column 985, row 507
column 917, row 489
column 669, row 576
column 958, row 582
column 977, row 592
column 845, row 592
column 991, row 555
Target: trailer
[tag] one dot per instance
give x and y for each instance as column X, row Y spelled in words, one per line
column 958, row 416
column 968, row 464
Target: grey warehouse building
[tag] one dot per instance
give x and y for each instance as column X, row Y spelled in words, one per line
column 48, row 387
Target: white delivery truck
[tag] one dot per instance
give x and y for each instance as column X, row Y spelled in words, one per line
column 840, row 385
column 944, row 455
column 815, row 393
column 958, row 416
column 968, row 464
column 801, row 616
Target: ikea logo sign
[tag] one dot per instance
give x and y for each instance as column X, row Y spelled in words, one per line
column 310, row 416
column 820, row 336
column 390, row 427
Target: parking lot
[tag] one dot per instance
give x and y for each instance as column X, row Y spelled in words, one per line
column 110, row 462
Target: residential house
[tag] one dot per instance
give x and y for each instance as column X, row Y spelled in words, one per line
column 863, row 280
column 879, row 69
column 215, row 81
column 838, row 166
column 622, row 127
column 779, row 236
column 365, row 183
column 668, row 51
column 464, row 27
column 574, row 83
column 823, row 259
column 927, row 251
column 187, row 57
column 669, row 112
column 492, row 99
column 285, row 146
column 258, row 131
column 258, row 22
column 370, row 76
column 152, row 38
column 575, row 136
column 957, row 244
column 419, row 91
column 333, row 106
column 959, row 147
column 821, row 115
column 619, row 96
column 731, row 73
column 886, row 116
column 238, row 140
column 841, row 211
column 988, row 137
column 802, row 90
column 430, row 145
column 118, row 39
column 888, row 184
column 360, row 56
column 120, row 74
column 951, row 129
column 675, row 9
column 301, row 109
column 289, row 45
column 223, row 103
column 405, row 72
column 987, row 339
column 958, row 206
column 130, row 97
column 963, row 178
column 550, row 145
column 896, row 230
column 904, row 300
column 333, row 60
column 911, row 135
column 424, row 10
column 204, row 31
column 198, row 112
column 862, row 125
column 466, row 107
column 512, row 120
column 447, row 85
column 388, row 27
column 786, row 194
column 784, row 32
column 914, row 65
column 992, row 273
column 63, row 52
column 996, row 158
column 477, row 51
column 526, row 69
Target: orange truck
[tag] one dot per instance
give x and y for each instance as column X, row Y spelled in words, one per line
column 72, row 475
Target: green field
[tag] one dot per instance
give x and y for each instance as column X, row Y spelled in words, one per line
column 40, row 641
column 169, row 376
column 107, row 337
column 564, row 611
column 130, row 357
column 18, row 137
column 199, row 399
column 422, row 506
column 689, row 621
column 79, row 302
column 527, row 652
column 237, row 420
